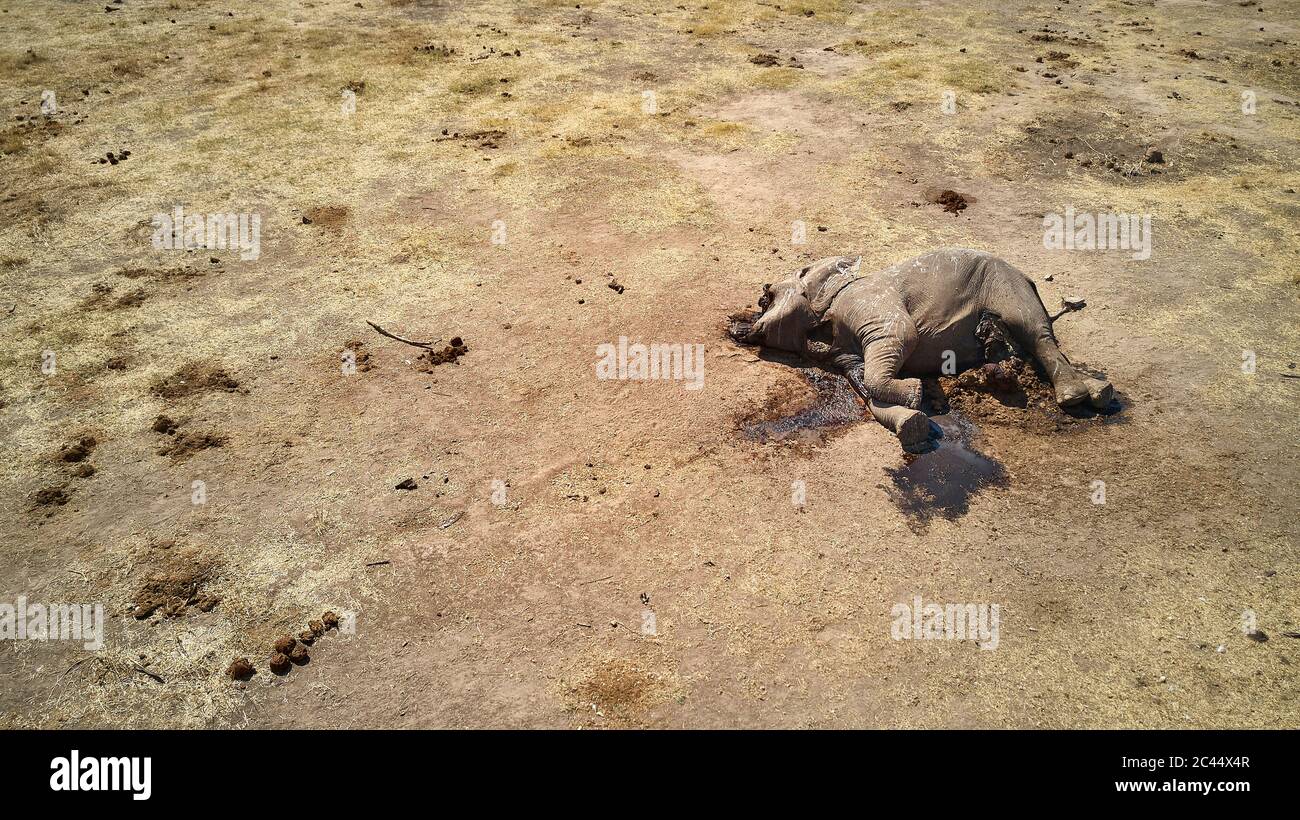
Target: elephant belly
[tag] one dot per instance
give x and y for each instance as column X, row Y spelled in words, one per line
column 937, row 344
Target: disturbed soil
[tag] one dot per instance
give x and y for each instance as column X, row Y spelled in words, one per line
column 218, row 448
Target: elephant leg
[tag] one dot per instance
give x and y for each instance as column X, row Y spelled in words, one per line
column 1014, row 298
column 904, row 420
column 911, row 426
column 883, row 357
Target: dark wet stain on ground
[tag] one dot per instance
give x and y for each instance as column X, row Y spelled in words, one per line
column 833, row 407
column 940, row 482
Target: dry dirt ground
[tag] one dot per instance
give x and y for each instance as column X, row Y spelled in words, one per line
column 477, row 122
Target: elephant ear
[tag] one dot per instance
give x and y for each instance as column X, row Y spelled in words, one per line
column 825, row 281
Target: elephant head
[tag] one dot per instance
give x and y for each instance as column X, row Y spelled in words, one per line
column 791, row 311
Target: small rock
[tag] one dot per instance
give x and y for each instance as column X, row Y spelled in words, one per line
column 1257, row 635
column 406, row 484
column 1073, row 302
column 279, row 663
column 240, row 669
column 1155, row 157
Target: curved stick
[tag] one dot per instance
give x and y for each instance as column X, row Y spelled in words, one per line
column 382, row 332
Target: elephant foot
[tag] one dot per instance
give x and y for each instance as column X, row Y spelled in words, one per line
column 1079, row 389
column 742, row 331
column 1100, row 393
column 913, row 429
column 1071, row 392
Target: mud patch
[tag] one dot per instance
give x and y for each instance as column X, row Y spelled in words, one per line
column 619, row 690
column 941, row 482
column 79, row 449
column 177, row 583
column 18, row 138
column 162, row 274
column 1012, row 392
column 166, row 425
column 193, row 378
column 1009, row 389
column 100, row 294
column 1124, row 144
column 329, row 217
column 448, row 355
column 951, row 201
column 793, row 412
column 49, row 497
column 490, row 138
column 75, row 456
column 134, row 299
column 184, row 445
column 102, row 298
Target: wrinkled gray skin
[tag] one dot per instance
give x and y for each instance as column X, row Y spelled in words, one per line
column 878, row 327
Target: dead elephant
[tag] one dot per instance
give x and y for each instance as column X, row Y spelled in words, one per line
column 884, row 329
